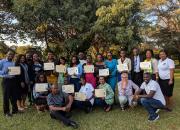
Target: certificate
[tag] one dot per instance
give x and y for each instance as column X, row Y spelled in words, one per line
column 72, row 70
column 61, row 68
column 122, row 67
column 145, row 65
column 68, row 88
column 14, row 70
column 41, row 87
column 49, row 66
column 89, row 68
column 103, row 72
column 80, row 96
column 100, row 93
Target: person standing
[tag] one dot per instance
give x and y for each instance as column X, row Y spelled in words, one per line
column 136, row 72
column 9, row 85
column 166, row 76
column 23, row 82
column 124, row 60
column 82, row 58
column 29, row 62
column 154, row 64
column 75, row 78
column 90, row 77
column 111, row 64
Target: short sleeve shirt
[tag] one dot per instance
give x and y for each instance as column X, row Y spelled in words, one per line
column 57, row 100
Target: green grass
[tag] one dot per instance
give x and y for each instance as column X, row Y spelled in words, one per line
column 132, row 119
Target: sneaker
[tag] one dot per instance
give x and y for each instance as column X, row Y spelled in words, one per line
column 122, row 109
column 73, row 124
column 153, row 119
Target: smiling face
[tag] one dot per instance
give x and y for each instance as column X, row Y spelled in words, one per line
column 123, row 54
column 41, row 78
column 22, row 59
column 99, row 58
column 10, row 56
column 50, row 56
column 146, row 77
column 109, row 56
column 54, row 89
column 162, row 55
column 89, row 59
column 35, row 57
column 102, row 80
column 148, row 55
column 62, row 61
column 135, row 51
column 74, row 60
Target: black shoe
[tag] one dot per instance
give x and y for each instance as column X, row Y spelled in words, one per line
column 154, row 118
column 8, row 115
column 15, row 112
column 88, row 110
column 73, row 124
column 168, row 109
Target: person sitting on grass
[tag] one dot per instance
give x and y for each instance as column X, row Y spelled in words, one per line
column 88, row 90
column 125, row 89
column 59, row 105
column 153, row 100
column 40, row 98
column 108, row 100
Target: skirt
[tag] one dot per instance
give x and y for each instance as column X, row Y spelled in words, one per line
column 166, row 89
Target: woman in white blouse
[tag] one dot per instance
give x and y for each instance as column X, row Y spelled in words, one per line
column 125, row 90
column 166, row 76
column 125, row 62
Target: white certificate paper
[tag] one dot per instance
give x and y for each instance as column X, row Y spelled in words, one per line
column 80, row 96
column 61, row 68
column 145, row 65
column 68, row 88
column 100, row 93
column 72, row 70
column 41, row 87
column 14, row 70
column 89, row 68
column 122, row 67
column 49, row 66
column 103, row 72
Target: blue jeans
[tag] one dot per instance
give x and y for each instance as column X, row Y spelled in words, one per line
column 151, row 105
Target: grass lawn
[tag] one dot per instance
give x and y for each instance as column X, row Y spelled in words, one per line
column 132, row 119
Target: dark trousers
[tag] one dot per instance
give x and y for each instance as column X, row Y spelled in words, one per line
column 101, row 103
column 9, row 94
column 137, row 78
column 76, row 82
column 30, row 94
column 82, row 104
column 61, row 116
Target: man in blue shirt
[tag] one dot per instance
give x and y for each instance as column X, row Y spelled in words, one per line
column 8, row 84
column 59, row 104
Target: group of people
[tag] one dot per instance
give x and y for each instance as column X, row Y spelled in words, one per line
column 152, row 87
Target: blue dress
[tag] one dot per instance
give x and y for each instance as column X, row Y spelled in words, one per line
column 112, row 79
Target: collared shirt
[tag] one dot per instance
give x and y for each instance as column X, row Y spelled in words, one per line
column 4, row 64
column 128, row 90
column 136, row 64
column 164, row 67
column 57, row 100
column 154, row 86
column 88, row 89
column 126, row 61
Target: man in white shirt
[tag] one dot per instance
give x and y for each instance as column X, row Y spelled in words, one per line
column 82, row 58
column 88, row 90
column 153, row 99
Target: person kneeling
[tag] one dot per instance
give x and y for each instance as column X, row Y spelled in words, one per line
column 125, row 89
column 153, row 100
column 40, row 98
column 59, row 105
column 108, row 100
column 87, row 89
